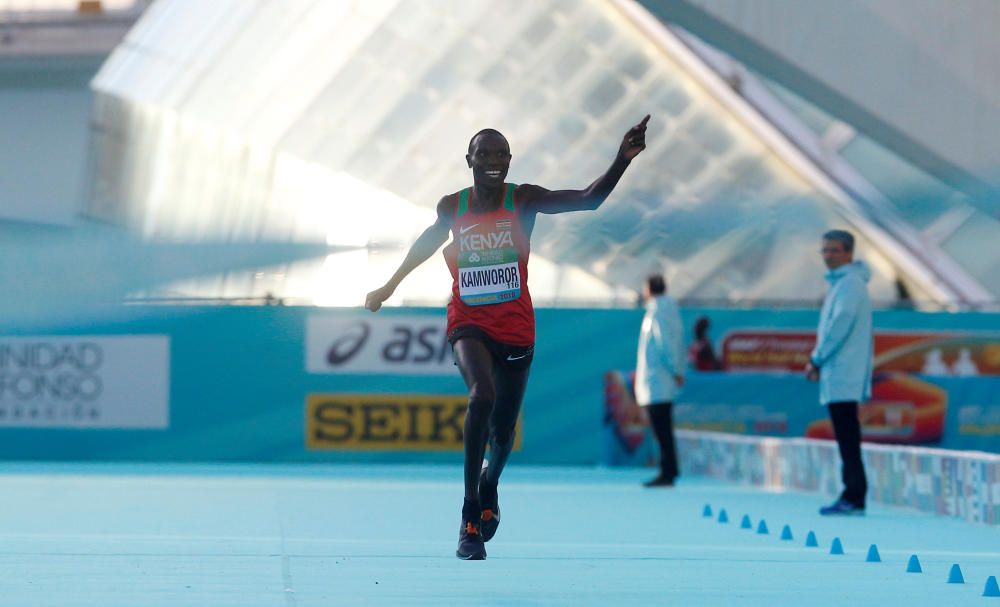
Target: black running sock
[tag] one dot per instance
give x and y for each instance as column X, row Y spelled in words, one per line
column 487, row 493
column 471, row 511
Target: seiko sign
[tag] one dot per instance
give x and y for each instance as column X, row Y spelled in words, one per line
column 369, row 343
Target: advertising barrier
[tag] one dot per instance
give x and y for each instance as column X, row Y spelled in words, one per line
column 961, row 484
column 930, row 387
column 388, row 422
column 351, row 421
column 406, row 344
column 85, row 381
column 277, row 383
column 950, row 413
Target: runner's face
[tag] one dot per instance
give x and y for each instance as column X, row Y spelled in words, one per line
column 489, row 160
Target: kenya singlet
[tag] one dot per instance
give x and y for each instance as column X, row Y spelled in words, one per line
column 488, row 260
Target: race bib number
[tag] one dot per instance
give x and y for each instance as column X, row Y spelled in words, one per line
column 489, row 284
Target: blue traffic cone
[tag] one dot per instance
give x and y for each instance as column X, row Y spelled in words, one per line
column 836, row 547
column 745, row 523
column 723, row 517
column 991, row 587
column 873, row 556
column 762, row 528
column 955, row 575
column 913, row 566
column 811, row 540
column 707, row 512
column 786, row 533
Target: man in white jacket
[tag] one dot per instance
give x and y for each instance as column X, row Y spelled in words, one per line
column 659, row 372
column 842, row 362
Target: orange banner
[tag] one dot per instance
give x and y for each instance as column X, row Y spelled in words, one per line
column 935, row 354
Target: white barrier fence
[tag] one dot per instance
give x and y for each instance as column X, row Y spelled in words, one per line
column 961, row 484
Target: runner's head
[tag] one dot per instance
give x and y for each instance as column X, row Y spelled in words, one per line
column 489, row 158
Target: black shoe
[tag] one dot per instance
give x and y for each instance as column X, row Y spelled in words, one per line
column 470, row 536
column 470, row 542
column 659, row 481
column 842, row 507
column 490, row 515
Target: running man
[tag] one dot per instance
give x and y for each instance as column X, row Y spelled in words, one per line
column 491, row 322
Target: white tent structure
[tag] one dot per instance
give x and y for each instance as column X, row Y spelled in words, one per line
column 345, row 122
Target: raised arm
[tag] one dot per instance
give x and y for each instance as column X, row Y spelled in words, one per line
column 420, row 251
column 540, row 200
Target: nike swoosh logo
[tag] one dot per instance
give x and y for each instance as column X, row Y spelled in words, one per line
column 516, row 357
column 465, row 229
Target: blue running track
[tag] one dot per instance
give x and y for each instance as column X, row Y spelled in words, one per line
column 285, row 536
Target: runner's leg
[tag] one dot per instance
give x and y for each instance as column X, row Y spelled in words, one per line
column 510, row 386
column 476, row 365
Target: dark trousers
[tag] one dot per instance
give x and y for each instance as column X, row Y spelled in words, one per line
column 847, row 429
column 662, row 419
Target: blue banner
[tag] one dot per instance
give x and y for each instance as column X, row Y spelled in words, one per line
column 936, row 382
column 313, row 384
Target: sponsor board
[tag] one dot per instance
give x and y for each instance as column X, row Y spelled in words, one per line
column 85, row 381
column 409, row 344
column 387, row 422
column 937, row 354
column 767, row 350
column 906, row 406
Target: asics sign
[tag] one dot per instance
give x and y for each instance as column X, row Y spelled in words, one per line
column 408, row 344
column 345, row 347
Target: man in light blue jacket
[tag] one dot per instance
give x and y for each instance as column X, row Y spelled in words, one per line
column 659, row 372
column 842, row 362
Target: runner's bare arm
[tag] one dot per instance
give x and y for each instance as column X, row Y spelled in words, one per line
column 540, row 200
column 426, row 244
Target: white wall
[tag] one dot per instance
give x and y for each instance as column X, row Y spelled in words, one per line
column 44, row 116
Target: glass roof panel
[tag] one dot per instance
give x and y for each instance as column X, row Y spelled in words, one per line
column 318, row 119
